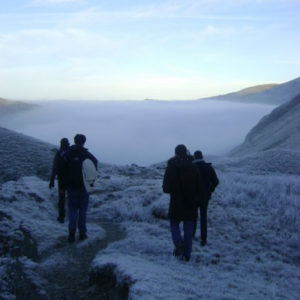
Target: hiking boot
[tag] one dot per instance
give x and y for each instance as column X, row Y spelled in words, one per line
column 71, row 238
column 60, row 219
column 178, row 251
column 82, row 236
column 186, row 258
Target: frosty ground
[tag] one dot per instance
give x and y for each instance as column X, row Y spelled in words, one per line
column 252, row 251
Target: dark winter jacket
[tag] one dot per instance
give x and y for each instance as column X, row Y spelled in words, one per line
column 183, row 182
column 209, row 177
column 59, row 168
column 74, row 158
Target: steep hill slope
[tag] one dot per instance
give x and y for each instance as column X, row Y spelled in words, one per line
column 23, row 156
column 274, row 143
column 266, row 94
column 278, row 130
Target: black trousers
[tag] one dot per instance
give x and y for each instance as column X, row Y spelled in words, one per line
column 203, row 223
column 61, row 200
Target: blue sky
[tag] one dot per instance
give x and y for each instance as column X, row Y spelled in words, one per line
column 162, row 49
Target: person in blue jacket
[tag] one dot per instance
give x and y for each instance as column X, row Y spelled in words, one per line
column 78, row 197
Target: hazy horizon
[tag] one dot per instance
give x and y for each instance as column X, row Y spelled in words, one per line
column 145, row 132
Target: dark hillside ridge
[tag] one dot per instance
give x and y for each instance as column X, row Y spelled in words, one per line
column 21, row 155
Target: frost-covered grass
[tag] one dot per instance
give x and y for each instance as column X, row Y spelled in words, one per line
column 275, row 196
column 253, row 240
column 32, row 206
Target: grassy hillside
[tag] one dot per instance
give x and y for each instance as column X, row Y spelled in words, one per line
column 21, row 155
column 278, row 130
column 273, row 145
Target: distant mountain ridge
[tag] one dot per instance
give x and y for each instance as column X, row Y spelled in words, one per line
column 264, row 94
column 254, row 89
column 9, row 106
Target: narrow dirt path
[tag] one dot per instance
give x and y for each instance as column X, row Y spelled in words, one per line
column 66, row 270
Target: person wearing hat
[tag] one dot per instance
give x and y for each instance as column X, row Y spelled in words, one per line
column 59, row 171
column 78, row 196
column 210, row 181
column 182, row 181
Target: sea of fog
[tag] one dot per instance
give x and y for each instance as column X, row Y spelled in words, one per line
column 141, row 132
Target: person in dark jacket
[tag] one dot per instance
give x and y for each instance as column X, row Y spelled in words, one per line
column 210, row 181
column 78, row 197
column 59, row 171
column 181, row 181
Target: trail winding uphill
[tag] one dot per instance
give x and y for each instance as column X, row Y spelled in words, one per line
column 37, row 262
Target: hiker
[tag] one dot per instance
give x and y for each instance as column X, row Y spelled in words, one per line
column 181, row 181
column 210, row 181
column 78, row 196
column 59, row 171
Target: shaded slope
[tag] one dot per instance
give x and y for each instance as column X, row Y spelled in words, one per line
column 23, row 156
column 273, row 145
column 279, row 129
